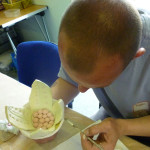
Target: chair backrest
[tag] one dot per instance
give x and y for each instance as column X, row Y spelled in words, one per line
column 37, row 60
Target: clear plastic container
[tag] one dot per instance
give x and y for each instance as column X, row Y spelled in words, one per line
column 12, row 12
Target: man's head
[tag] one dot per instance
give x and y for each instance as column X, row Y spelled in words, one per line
column 97, row 39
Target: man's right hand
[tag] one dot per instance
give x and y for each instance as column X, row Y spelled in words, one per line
column 109, row 132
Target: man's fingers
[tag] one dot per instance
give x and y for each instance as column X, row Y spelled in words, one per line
column 93, row 130
column 86, row 144
column 103, row 127
column 101, row 138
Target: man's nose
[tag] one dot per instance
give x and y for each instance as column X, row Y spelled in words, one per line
column 82, row 89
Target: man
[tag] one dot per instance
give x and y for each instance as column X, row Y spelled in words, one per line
column 100, row 47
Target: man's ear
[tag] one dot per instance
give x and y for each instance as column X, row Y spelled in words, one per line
column 140, row 52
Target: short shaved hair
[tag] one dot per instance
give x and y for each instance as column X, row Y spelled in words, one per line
column 98, row 27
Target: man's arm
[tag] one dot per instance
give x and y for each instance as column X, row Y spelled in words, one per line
column 136, row 127
column 62, row 89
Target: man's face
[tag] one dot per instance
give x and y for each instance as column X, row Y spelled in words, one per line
column 105, row 72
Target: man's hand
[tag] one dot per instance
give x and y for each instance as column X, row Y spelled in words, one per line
column 109, row 132
column 111, row 129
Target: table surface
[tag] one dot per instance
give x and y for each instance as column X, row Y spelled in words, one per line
column 13, row 93
column 24, row 14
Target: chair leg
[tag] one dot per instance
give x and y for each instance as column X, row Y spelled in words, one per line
column 100, row 105
column 70, row 105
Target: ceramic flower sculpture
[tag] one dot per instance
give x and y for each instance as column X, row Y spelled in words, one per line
column 41, row 117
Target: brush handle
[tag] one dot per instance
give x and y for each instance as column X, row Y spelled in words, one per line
column 72, row 124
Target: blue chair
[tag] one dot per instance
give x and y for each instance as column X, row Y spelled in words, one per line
column 38, row 60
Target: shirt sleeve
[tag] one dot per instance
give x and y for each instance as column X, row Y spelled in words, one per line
column 62, row 74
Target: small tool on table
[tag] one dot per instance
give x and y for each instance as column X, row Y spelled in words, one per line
column 91, row 140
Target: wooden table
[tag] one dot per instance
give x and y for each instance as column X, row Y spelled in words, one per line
column 16, row 94
column 33, row 10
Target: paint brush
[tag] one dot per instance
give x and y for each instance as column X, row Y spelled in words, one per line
column 91, row 140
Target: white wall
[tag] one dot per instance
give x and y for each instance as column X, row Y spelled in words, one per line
column 142, row 4
column 29, row 30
